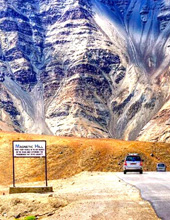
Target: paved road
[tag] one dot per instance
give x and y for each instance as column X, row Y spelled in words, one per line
column 154, row 187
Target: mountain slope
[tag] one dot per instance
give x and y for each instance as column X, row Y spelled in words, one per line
column 85, row 68
column 67, row 156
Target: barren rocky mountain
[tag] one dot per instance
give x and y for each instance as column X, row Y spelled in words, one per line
column 89, row 68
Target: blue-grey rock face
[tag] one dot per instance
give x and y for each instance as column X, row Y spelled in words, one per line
column 90, row 68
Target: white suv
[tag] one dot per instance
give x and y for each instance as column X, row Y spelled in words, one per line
column 133, row 163
column 161, row 167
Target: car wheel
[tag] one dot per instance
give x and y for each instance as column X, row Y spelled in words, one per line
column 124, row 172
column 141, row 171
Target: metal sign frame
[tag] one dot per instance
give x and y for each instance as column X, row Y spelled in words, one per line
column 45, row 157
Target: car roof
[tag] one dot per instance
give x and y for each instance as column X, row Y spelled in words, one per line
column 133, row 154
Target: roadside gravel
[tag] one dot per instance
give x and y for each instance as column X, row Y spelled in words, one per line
column 100, row 196
column 85, row 196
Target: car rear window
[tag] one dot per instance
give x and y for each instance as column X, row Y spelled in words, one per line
column 161, row 165
column 133, row 158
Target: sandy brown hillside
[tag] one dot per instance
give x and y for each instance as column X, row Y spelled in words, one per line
column 68, row 156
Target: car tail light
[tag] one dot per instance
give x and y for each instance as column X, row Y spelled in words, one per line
column 125, row 163
column 141, row 164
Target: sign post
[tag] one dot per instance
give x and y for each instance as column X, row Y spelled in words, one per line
column 29, row 149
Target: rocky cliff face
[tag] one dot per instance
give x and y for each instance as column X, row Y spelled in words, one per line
column 90, row 68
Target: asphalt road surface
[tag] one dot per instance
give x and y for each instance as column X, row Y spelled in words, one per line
column 154, row 187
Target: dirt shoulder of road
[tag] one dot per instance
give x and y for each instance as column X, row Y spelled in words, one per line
column 85, row 196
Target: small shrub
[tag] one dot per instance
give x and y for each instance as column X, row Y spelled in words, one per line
column 30, row 218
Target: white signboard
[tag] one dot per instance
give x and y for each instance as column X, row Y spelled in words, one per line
column 29, row 148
